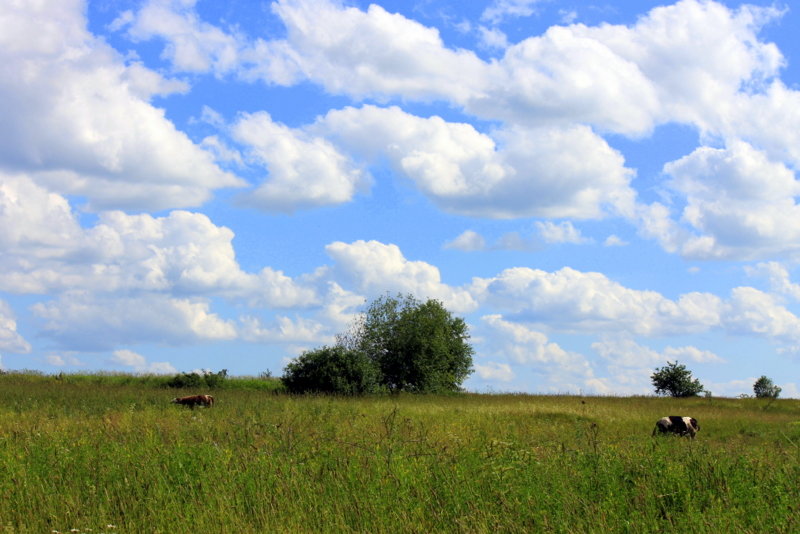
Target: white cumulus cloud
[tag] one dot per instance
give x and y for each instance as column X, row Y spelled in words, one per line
column 79, row 120
column 468, row 241
column 82, row 321
column 571, row 300
column 493, row 371
column 304, row 171
column 563, row 232
column 521, row 172
column 374, row 268
column 739, row 204
column 137, row 362
column 10, row 339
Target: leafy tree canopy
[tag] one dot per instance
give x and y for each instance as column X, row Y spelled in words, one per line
column 764, row 388
column 417, row 346
column 676, row 381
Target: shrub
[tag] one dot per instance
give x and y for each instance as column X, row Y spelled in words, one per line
column 196, row 380
column 765, row 389
column 675, row 380
column 331, row 370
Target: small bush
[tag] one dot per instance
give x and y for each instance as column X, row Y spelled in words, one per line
column 765, row 389
column 331, row 370
column 196, row 380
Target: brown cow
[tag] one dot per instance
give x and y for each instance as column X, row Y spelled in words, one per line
column 683, row 426
column 195, row 400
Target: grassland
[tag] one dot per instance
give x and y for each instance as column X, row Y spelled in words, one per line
column 116, row 456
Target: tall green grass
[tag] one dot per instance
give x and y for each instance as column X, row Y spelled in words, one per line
column 85, row 455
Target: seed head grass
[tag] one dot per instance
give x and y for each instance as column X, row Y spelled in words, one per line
column 88, row 454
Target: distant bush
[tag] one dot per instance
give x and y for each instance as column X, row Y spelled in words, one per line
column 196, row 380
column 765, row 389
column 331, row 370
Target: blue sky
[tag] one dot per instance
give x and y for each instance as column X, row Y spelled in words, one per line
column 596, row 187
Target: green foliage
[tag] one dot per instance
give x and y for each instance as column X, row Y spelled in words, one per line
column 765, row 389
column 331, row 370
column 417, row 346
column 676, row 381
column 196, row 380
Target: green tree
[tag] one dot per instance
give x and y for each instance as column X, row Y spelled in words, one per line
column 417, row 346
column 675, row 380
column 765, row 389
column 196, row 380
column 331, row 370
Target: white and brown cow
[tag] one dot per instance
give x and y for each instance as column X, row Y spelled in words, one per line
column 683, row 426
column 195, row 400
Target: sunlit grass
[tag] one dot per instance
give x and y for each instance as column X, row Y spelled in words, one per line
column 86, row 454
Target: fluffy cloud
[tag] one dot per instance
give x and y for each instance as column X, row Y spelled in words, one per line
column 768, row 120
column 374, row 268
column 82, row 321
column 79, row 119
column 285, row 330
column 571, row 300
column 527, row 346
column 614, row 241
column 533, row 172
column 739, row 204
column 695, row 56
column 495, row 372
column 10, row 340
column 192, row 45
column 37, row 231
column 564, row 77
column 502, row 9
column 532, row 349
column 63, row 359
column 696, row 62
column 629, row 365
column 563, row 232
column 137, row 362
column 468, row 241
column 304, row 171
column 471, row 241
column 778, row 276
column 622, row 381
column 46, row 249
column 625, row 352
column 681, row 62
column 753, row 312
column 375, row 53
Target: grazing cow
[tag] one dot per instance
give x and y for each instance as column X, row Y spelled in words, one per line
column 683, row 426
column 195, row 400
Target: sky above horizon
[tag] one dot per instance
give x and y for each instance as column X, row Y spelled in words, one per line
column 597, row 187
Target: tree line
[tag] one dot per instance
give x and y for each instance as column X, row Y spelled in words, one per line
column 675, row 380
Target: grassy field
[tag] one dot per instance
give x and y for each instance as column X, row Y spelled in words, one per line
column 115, row 456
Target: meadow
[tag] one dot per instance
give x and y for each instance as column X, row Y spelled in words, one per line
column 111, row 454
